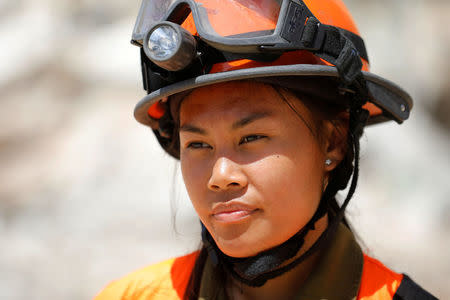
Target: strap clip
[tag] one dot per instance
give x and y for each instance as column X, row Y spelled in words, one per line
column 301, row 28
column 348, row 63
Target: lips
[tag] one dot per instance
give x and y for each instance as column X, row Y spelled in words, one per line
column 232, row 212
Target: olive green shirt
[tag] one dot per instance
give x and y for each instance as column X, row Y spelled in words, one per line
column 337, row 274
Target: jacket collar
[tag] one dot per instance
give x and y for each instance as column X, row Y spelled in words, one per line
column 337, row 275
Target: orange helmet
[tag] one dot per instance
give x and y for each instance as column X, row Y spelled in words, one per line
column 186, row 44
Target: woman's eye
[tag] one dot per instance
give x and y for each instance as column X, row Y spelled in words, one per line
column 251, row 138
column 198, row 145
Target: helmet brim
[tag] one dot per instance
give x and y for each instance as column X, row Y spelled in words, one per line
column 394, row 102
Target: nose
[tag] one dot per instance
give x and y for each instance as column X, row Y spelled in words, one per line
column 227, row 175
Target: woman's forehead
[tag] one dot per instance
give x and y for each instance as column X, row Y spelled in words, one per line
column 231, row 99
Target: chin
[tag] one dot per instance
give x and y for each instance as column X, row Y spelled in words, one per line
column 244, row 245
column 238, row 250
column 244, row 239
column 235, row 240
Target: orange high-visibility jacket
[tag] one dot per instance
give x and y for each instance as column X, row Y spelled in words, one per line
column 168, row 280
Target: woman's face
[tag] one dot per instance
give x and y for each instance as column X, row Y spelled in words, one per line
column 253, row 169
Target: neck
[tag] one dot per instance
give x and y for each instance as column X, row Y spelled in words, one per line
column 286, row 285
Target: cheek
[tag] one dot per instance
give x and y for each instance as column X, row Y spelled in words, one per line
column 290, row 188
column 195, row 179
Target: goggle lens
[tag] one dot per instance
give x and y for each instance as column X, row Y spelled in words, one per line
column 249, row 17
column 223, row 18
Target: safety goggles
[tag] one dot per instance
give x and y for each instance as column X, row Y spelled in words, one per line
column 257, row 27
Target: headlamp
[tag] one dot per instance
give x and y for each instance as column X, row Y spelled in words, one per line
column 170, row 46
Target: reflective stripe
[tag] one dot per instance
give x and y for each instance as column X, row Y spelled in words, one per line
column 168, row 281
column 163, row 281
column 377, row 281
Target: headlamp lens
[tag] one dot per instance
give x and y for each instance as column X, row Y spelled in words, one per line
column 170, row 46
column 163, row 42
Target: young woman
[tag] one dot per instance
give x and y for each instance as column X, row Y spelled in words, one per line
column 263, row 102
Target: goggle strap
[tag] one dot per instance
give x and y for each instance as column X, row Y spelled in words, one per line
column 339, row 50
column 358, row 42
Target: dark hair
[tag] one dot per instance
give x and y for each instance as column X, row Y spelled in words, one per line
column 338, row 178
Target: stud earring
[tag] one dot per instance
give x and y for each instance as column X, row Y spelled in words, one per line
column 328, row 161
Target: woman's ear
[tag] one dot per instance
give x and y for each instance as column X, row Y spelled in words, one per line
column 335, row 142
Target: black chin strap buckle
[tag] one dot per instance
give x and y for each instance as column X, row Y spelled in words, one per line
column 348, row 63
column 360, row 117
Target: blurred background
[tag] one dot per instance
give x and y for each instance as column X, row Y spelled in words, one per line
column 87, row 195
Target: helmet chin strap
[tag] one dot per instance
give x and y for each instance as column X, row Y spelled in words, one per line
column 256, row 270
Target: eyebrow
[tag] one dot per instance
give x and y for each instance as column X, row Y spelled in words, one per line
column 236, row 125
column 193, row 129
column 249, row 119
